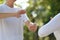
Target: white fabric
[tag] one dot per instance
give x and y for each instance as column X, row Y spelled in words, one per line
column 11, row 28
column 51, row 27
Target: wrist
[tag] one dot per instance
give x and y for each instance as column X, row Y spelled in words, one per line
column 30, row 24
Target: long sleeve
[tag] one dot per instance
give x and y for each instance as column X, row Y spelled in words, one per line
column 50, row 27
column 25, row 17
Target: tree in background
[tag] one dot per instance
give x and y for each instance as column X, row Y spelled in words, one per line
column 40, row 12
column 43, row 10
column 1, row 1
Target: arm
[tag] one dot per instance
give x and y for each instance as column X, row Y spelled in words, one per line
column 17, row 14
column 5, row 15
column 31, row 26
column 50, row 27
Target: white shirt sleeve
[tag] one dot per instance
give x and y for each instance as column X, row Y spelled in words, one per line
column 25, row 17
column 50, row 27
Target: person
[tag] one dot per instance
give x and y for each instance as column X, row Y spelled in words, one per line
column 52, row 26
column 12, row 21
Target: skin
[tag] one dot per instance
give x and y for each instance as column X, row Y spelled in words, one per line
column 31, row 26
column 10, row 4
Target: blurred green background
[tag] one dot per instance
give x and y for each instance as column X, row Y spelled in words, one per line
column 40, row 12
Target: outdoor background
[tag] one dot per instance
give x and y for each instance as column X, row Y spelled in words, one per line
column 39, row 12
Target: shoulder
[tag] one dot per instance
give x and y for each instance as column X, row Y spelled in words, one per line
column 2, row 5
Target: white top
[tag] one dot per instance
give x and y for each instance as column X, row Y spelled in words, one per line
column 11, row 28
column 51, row 27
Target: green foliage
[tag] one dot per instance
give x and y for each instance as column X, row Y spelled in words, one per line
column 44, row 10
column 1, row 1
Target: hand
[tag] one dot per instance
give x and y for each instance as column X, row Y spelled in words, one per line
column 32, row 27
column 20, row 12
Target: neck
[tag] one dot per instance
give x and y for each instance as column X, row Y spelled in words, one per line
column 10, row 5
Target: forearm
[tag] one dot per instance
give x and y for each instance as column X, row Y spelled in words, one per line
column 50, row 27
column 6, row 15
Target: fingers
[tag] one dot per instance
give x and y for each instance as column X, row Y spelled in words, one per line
column 33, row 27
column 22, row 12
